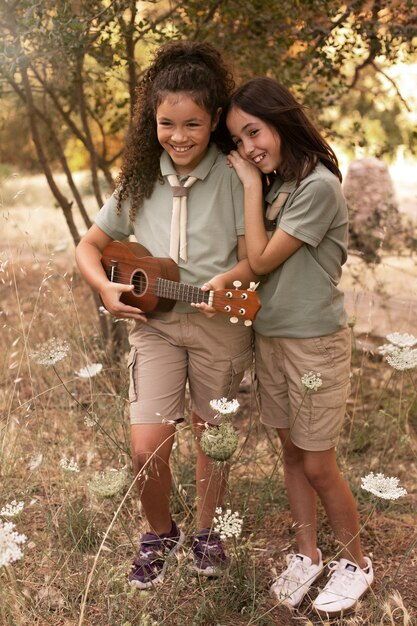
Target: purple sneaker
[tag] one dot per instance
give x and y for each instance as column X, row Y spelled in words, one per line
column 149, row 567
column 208, row 553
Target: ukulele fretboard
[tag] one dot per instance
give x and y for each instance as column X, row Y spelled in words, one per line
column 180, row 291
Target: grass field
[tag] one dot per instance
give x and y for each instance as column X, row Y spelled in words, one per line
column 79, row 546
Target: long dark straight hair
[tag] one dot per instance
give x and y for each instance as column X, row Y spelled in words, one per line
column 302, row 145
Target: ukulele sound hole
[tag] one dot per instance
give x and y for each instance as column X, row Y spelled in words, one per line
column 140, row 282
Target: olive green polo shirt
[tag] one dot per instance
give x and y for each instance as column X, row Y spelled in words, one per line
column 300, row 298
column 215, row 219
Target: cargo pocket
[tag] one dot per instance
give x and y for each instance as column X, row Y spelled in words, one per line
column 327, row 412
column 240, row 363
column 131, row 365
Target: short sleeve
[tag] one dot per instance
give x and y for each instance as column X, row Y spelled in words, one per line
column 238, row 202
column 115, row 225
column 311, row 211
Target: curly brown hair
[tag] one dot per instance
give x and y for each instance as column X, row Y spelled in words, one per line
column 196, row 68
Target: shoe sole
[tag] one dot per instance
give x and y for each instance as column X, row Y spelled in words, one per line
column 209, row 572
column 340, row 612
column 160, row 578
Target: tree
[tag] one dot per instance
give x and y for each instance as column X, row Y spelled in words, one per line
column 70, row 67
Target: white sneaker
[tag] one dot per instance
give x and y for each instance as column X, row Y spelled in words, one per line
column 294, row 582
column 347, row 584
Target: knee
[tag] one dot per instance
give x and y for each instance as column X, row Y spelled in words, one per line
column 292, row 456
column 318, row 476
column 145, row 459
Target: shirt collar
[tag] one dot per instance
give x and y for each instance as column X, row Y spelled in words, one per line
column 279, row 186
column 201, row 171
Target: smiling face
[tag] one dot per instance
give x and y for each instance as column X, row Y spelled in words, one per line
column 184, row 129
column 256, row 141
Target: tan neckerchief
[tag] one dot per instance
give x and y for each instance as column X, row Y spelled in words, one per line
column 178, row 239
column 273, row 210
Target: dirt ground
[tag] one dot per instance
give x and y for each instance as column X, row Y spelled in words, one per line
column 381, row 298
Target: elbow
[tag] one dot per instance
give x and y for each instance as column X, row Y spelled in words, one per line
column 259, row 267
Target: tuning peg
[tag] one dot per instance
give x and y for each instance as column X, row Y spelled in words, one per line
column 237, row 284
column 234, row 320
column 248, row 322
column 253, row 286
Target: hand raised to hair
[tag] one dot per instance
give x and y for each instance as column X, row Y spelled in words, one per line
column 248, row 173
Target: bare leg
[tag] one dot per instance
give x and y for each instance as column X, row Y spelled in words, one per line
column 210, row 480
column 301, row 497
column 324, row 475
column 151, row 449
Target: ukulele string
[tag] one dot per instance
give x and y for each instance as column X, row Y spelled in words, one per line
column 151, row 284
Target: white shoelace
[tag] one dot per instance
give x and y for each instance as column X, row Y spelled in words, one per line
column 340, row 578
column 294, row 576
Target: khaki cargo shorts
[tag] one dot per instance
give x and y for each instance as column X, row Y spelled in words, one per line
column 173, row 349
column 314, row 418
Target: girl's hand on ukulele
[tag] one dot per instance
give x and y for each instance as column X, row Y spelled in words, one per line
column 248, row 173
column 215, row 283
column 110, row 297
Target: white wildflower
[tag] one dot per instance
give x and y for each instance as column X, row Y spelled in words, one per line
column 10, row 542
column 399, row 353
column 89, row 421
column 383, row 487
column 227, row 524
column 12, row 509
column 90, row 370
column 51, row 352
column 35, row 461
column 69, row 465
column 388, row 348
column 402, row 340
column 109, row 483
column 405, row 359
column 312, row 381
column 219, row 442
column 224, row 407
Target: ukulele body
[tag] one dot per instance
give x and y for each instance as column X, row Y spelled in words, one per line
column 130, row 263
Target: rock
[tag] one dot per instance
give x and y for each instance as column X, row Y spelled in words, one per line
column 374, row 219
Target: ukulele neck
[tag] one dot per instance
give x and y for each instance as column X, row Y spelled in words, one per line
column 181, row 292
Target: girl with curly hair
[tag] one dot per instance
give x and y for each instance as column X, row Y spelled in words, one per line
column 175, row 139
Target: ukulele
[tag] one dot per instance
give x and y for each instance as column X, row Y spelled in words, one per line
column 157, row 287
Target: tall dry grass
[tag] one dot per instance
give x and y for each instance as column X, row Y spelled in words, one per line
column 79, row 546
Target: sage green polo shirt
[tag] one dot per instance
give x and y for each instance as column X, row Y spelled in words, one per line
column 215, row 219
column 300, row 298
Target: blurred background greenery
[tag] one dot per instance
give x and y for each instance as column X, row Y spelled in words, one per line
column 69, row 70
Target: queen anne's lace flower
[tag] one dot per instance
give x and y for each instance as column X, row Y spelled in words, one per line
column 227, row 524
column 219, row 442
column 90, row 370
column 12, row 509
column 388, row 348
column 89, row 421
column 225, row 407
column 383, row 487
column 35, row 461
column 108, row 483
column 312, row 381
column 69, row 465
column 10, row 542
column 399, row 353
column 402, row 340
column 51, row 352
column 401, row 360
